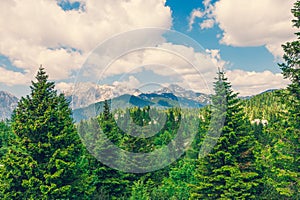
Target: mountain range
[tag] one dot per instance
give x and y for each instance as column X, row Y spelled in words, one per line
column 163, row 100
column 8, row 102
column 87, row 99
column 86, row 94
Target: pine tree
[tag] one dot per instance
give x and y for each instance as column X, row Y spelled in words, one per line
column 228, row 171
column 291, row 67
column 101, row 136
column 291, row 70
column 46, row 161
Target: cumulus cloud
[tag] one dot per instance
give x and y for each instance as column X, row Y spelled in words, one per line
column 252, row 23
column 216, row 58
column 250, row 82
column 41, row 32
column 189, row 69
column 183, row 59
column 255, row 23
column 177, row 62
column 132, row 82
column 63, row 86
column 12, row 78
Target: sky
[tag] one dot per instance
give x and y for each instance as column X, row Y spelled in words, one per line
column 138, row 43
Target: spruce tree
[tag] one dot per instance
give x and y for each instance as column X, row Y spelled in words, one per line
column 46, row 160
column 291, row 70
column 291, row 67
column 228, row 170
column 101, row 136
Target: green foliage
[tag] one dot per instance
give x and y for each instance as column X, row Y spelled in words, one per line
column 249, row 161
column 228, row 171
column 46, row 160
column 176, row 184
column 42, row 157
column 267, row 105
column 139, row 191
column 291, row 67
column 116, row 183
column 6, row 137
column 291, row 70
column 275, row 153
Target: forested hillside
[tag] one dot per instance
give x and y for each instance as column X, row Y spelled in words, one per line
column 268, row 106
column 249, row 160
column 230, row 149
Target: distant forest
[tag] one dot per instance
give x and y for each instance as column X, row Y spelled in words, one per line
column 241, row 148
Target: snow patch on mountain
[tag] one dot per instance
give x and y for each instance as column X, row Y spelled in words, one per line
column 179, row 91
column 84, row 94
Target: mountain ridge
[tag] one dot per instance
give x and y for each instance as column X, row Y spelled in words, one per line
column 8, row 102
column 170, row 96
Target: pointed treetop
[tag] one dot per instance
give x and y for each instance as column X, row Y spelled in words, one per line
column 41, row 75
column 296, row 13
column 42, row 85
column 221, row 75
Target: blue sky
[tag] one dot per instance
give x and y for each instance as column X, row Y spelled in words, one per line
column 256, row 58
column 244, row 37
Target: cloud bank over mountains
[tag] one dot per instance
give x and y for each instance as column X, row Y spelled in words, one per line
column 42, row 32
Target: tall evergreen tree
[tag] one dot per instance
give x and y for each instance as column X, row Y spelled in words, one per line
column 228, row 171
column 46, row 161
column 291, row 70
column 291, row 67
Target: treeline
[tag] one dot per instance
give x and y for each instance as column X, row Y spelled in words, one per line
column 45, row 156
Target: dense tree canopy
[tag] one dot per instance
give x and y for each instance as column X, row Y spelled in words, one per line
column 44, row 155
column 46, row 158
column 228, row 171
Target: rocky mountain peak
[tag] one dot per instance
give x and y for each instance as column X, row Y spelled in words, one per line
column 8, row 103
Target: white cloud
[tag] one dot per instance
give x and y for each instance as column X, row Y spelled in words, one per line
column 40, row 32
column 178, row 63
column 132, row 82
column 251, row 23
column 63, row 86
column 206, row 3
column 255, row 23
column 196, row 13
column 216, row 58
column 208, row 23
column 175, row 61
column 249, row 83
column 12, row 78
column 198, row 74
column 206, row 14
